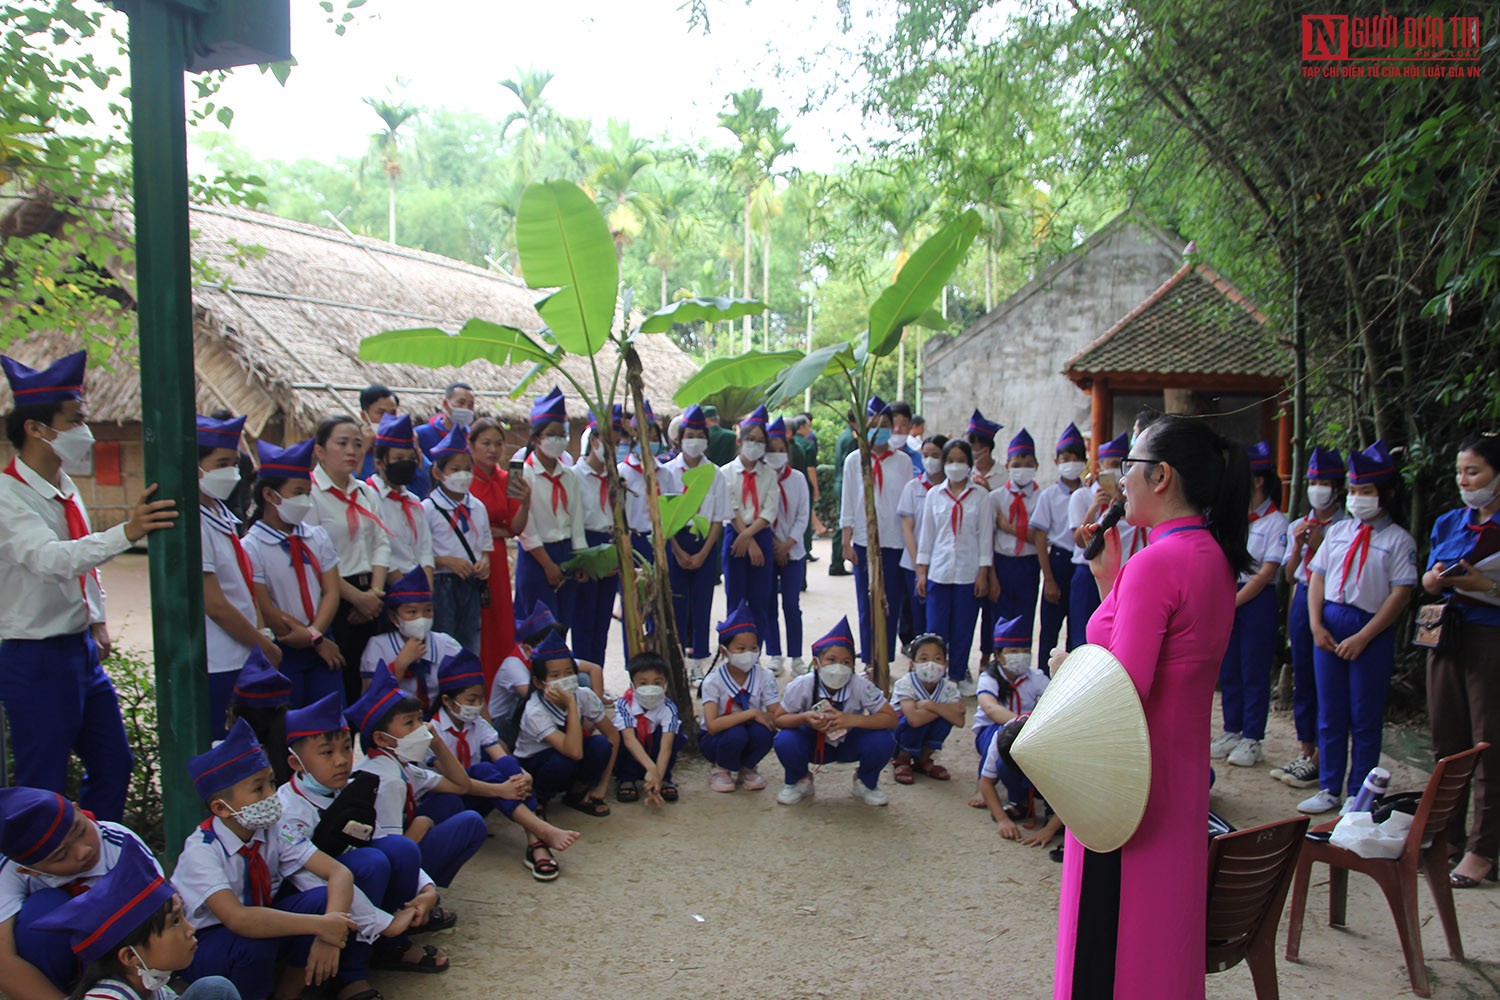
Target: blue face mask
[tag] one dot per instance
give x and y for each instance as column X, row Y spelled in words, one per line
column 622, row 451
column 880, row 436
column 313, row 784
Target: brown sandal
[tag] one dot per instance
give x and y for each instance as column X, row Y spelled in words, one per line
column 903, row 774
column 936, row 772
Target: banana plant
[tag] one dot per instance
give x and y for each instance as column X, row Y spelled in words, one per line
column 906, row 302
column 564, row 244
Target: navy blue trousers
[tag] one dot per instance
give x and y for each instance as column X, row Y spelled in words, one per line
column 915, row 606
column 311, row 678
column 593, row 608
column 1304, row 674
column 693, row 596
column 1020, row 582
column 444, row 806
column 914, row 739
column 754, row 584
column 1245, row 672
column 553, row 773
column 738, row 748
column 895, row 598
column 456, row 608
column 788, row 580
column 452, row 841
column 627, row 768
column 1053, row 615
column 1082, row 604
column 952, row 612
column 58, row 701
column 1351, row 700
column 871, row 749
column 532, row 585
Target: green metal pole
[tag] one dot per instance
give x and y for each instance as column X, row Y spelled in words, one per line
column 164, row 315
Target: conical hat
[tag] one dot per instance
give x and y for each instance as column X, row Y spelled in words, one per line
column 1086, row 749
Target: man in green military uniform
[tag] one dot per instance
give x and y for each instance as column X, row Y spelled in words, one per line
column 723, row 443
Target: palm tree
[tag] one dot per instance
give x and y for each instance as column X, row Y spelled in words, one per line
column 616, row 183
column 536, row 117
column 672, row 226
column 762, row 140
column 385, row 148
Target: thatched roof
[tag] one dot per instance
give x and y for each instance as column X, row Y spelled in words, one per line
column 279, row 318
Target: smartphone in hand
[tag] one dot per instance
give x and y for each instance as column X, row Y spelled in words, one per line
column 515, row 473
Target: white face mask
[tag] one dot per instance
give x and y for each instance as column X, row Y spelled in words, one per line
column 1014, row 665
column 898, row 441
column 415, row 628
column 777, row 460
column 567, row 684
column 1480, row 498
column 219, row 483
column 1320, row 496
column 470, row 713
column 958, row 472
column 151, row 979
column 74, row 445
column 694, row 447
column 835, row 675
column 260, row 815
column 650, row 696
column 462, row 417
column 553, row 445
column 1363, row 508
column 458, row 482
column 752, row 451
column 294, row 510
column 930, row 672
column 413, row 747
column 932, row 466
column 1070, row 470
column 1022, row 476
column 743, row 660
column 596, row 451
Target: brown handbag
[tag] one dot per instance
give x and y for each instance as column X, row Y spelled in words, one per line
column 1437, row 627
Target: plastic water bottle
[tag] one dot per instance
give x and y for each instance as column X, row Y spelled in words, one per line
column 1376, row 784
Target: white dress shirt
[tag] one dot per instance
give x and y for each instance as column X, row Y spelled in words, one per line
column 715, row 507
column 16, row 885
column 860, row 696
column 958, row 535
column 546, row 525
column 634, row 476
column 598, row 515
column 1001, row 501
column 218, row 534
column 40, row 593
column 737, row 504
column 664, row 717
column 271, row 556
column 1051, row 515
column 211, row 862
column 1390, row 563
column 913, row 499
column 1303, row 574
column 444, row 523
column 410, row 538
column 720, row 688
column 1267, row 539
column 895, row 473
column 794, row 512
column 540, row 718
column 370, row 545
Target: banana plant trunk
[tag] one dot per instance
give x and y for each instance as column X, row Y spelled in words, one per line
column 635, row 632
column 666, row 623
column 874, row 568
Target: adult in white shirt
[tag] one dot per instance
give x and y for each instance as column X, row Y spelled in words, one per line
column 396, row 463
column 53, row 634
column 913, row 498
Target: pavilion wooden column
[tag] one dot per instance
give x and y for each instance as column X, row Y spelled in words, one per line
column 1284, row 451
column 1102, row 416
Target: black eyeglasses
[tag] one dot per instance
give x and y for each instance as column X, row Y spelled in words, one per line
column 1126, row 463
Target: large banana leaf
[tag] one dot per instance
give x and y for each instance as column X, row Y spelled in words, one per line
column 434, row 348
column 693, row 310
column 920, row 282
column 679, row 509
column 598, row 561
column 750, row 368
column 795, row 378
column 564, row 241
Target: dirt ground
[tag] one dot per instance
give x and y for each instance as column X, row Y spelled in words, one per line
column 734, row 895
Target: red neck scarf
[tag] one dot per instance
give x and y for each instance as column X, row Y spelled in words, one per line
column 73, row 515
column 409, row 507
column 258, row 873
column 559, row 493
column 956, row 515
column 352, row 510
column 877, row 464
column 1269, row 511
column 241, row 557
column 749, row 494
column 461, row 750
column 603, row 478
column 1018, row 517
column 643, row 726
column 1360, row 547
column 302, row 556
column 779, row 480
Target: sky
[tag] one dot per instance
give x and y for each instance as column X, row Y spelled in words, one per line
column 640, row 61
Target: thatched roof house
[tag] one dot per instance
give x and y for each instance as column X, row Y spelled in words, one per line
column 278, row 317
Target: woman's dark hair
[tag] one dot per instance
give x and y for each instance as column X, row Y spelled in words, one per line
column 1145, row 417
column 1486, row 446
column 962, row 446
column 483, row 424
column 1393, row 499
column 269, row 726
column 1215, row 475
column 328, row 425
column 1270, row 485
column 977, row 438
column 107, row 966
column 257, row 496
column 941, row 440
column 1006, row 738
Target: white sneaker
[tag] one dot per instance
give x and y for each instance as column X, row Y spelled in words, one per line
column 967, row 688
column 696, row 670
column 1223, row 744
column 1246, row 753
column 790, row 795
column 1324, row 801
column 774, row 662
column 1347, row 807
column 798, row 667
column 869, row 796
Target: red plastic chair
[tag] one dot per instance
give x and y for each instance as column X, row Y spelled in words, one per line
column 1426, row 850
column 1249, row 873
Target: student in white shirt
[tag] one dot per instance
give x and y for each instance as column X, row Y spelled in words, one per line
column 566, row 742
column 1087, row 507
column 829, row 715
column 981, row 435
column 928, row 706
column 1008, row 687
column 1362, row 579
column 554, row 528
column 594, row 607
column 347, row 508
column 296, row 572
column 750, row 485
column 740, row 706
column 1015, row 576
column 997, row 769
column 1245, row 674
column 57, row 698
column 913, row 499
column 1325, row 499
column 788, row 554
column 649, row 727
column 694, row 568
column 890, row 471
column 396, row 464
column 1053, row 536
column 636, row 450
column 411, row 649
column 461, row 542
column 232, row 623
column 953, row 559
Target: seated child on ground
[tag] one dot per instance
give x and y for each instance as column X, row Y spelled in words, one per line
column 566, row 741
column 230, row 872
column 740, row 704
column 648, row 724
column 261, row 696
column 928, row 706
column 51, row 849
column 999, row 768
column 396, row 743
column 830, row 715
column 513, row 680
column 1008, row 687
column 411, row 650
column 320, row 755
column 495, row 777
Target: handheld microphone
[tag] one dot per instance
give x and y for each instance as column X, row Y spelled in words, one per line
column 1109, row 520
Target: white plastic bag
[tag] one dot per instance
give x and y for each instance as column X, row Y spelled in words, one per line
column 1359, row 833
